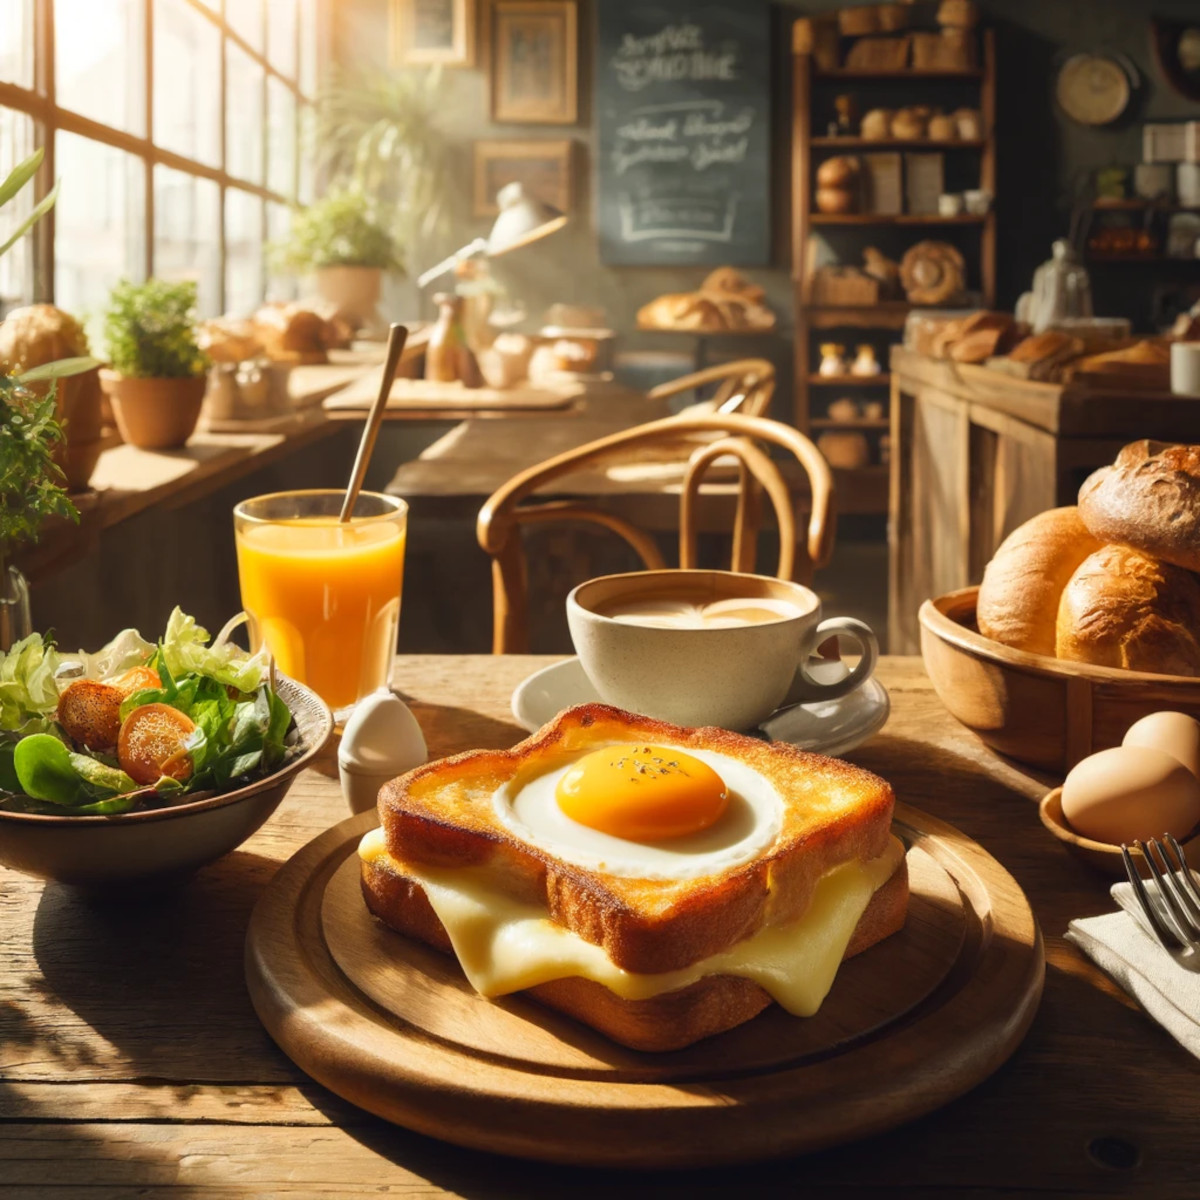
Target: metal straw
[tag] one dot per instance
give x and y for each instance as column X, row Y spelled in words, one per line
column 397, row 336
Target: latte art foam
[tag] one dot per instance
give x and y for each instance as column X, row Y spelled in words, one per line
column 679, row 612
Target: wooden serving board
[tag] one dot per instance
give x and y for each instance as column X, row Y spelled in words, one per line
column 393, row 1026
column 424, row 394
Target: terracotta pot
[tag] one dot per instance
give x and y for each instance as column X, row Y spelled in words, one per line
column 355, row 291
column 154, row 414
column 80, row 407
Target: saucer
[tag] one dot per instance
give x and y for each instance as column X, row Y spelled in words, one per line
column 827, row 727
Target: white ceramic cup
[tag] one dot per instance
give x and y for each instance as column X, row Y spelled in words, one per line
column 1185, row 368
column 733, row 677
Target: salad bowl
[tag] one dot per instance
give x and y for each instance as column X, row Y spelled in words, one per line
column 161, row 843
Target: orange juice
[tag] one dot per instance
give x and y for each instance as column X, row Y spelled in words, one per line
column 325, row 598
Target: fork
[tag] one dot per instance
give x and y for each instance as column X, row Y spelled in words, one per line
column 1176, row 888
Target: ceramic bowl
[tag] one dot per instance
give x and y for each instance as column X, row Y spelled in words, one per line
column 1035, row 709
column 163, row 843
column 1103, row 856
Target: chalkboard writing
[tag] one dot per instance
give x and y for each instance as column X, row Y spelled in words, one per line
column 683, row 131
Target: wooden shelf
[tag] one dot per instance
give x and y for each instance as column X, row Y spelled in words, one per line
column 881, row 380
column 891, row 314
column 896, row 73
column 858, row 423
column 895, row 219
column 1156, row 259
column 861, row 143
column 1136, row 204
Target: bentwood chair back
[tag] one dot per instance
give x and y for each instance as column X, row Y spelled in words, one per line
column 744, row 386
column 701, row 441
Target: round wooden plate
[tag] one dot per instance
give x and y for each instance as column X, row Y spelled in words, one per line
column 392, row 1026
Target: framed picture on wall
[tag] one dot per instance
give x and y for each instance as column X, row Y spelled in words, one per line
column 428, row 32
column 543, row 168
column 535, row 61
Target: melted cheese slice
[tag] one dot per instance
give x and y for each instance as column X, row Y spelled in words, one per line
column 506, row 945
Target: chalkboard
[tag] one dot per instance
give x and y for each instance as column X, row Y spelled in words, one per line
column 683, row 132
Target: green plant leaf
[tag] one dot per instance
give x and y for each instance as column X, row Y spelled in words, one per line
column 20, row 175
column 63, row 369
column 40, row 210
column 150, row 332
column 44, row 768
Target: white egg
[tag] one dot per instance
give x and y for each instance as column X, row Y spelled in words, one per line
column 1173, row 733
column 1131, row 792
column 528, row 807
column 381, row 740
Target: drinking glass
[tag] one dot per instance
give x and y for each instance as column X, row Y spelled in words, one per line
column 322, row 596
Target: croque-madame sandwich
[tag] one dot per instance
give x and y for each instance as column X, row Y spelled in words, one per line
column 659, row 884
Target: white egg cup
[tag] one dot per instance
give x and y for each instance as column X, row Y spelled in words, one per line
column 381, row 741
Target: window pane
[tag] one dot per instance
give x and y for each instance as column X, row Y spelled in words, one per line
column 284, row 285
column 245, row 18
column 281, row 138
column 309, row 55
column 187, row 234
column 99, row 221
column 16, row 42
column 243, row 115
column 187, row 82
column 243, row 252
column 281, row 36
column 99, row 67
column 308, row 153
column 16, row 266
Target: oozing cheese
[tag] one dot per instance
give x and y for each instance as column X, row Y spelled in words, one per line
column 505, row 945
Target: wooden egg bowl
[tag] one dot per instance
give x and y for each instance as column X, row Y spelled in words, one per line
column 1038, row 710
column 1102, row 855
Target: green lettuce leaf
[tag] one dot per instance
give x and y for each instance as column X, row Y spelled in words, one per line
column 28, row 693
column 185, row 649
column 47, row 770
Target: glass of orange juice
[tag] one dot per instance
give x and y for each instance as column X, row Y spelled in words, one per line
column 322, row 596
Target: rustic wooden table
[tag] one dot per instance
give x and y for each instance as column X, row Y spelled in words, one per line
column 131, row 1062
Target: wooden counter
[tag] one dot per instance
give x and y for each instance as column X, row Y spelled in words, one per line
column 976, row 452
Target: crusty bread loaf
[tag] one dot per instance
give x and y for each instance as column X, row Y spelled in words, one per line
column 667, row 1021
column 1148, row 499
column 441, row 814
column 1122, row 608
column 1019, row 596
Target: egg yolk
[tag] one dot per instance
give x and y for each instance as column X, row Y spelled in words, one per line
column 642, row 793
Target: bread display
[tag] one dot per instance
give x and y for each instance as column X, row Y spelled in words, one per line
column 627, row 947
column 725, row 301
column 1148, row 499
column 974, row 339
column 876, row 125
column 1022, row 585
column 1122, row 608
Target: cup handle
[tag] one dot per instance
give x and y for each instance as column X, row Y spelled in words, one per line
column 806, row 690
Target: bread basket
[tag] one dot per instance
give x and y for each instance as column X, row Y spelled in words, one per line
column 1041, row 711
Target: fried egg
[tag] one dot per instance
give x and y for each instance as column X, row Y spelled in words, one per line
column 645, row 811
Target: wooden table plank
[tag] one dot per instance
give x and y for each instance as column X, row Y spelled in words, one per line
column 132, row 1063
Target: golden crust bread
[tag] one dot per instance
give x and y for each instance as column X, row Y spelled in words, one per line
column 1022, row 585
column 441, row 814
column 668, row 1021
column 1148, row 499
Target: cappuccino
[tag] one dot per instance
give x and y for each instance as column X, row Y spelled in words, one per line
column 683, row 611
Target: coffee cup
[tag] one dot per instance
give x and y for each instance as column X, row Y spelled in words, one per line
column 708, row 647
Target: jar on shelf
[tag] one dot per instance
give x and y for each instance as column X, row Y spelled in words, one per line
column 833, row 359
column 865, row 362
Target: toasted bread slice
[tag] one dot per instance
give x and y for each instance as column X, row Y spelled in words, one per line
column 442, row 814
column 668, row 1021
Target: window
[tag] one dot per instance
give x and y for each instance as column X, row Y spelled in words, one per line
column 174, row 126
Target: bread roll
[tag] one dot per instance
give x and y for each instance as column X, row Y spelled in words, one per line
column 1018, row 599
column 838, row 172
column 1148, row 499
column 1123, row 608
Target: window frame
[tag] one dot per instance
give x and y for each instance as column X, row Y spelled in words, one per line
column 41, row 105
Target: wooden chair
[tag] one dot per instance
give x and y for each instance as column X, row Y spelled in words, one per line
column 503, row 514
column 745, row 386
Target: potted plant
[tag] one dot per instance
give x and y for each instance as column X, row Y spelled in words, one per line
column 156, row 378
column 30, row 479
column 341, row 241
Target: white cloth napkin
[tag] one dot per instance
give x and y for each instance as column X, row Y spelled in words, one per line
column 1122, row 946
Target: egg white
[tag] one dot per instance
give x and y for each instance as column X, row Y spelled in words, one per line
column 528, row 808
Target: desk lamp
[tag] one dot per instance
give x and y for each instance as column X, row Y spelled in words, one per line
column 523, row 220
